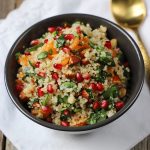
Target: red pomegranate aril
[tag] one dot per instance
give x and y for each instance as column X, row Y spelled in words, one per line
column 69, row 37
column 96, row 105
column 85, row 62
column 46, row 110
column 78, row 29
column 50, row 88
column 34, row 42
column 66, row 112
column 55, row 76
column 40, row 92
column 119, row 105
column 58, row 66
column 104, row 104
column 27, row 53
column 59, row 28
column 42, row 74
column 66, row 49
column 108, row 44
column 65, row 123
column 86, row 76
column 93, row 86
column 79, row 77
column 37, row 64
column 46, row 41
column 100, row 87
column 51, row 29
column 19, row 87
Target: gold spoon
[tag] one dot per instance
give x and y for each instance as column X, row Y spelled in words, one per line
column 130, row 14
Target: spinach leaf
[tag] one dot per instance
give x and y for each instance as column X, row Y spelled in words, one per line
column 92, row 44
column 97, row 117
column 34, row 48
column 60, row 41
column 90, row 93
column 42, row 55
column 111, row 92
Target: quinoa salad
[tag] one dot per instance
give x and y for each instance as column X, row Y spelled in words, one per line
column 73, row 75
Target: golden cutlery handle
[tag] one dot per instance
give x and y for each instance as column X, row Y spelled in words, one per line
column 144, row 54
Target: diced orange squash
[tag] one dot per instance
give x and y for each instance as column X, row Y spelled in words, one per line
column 51, row 56
column 23, row 60
column 65, row 61
column 50, row 46
column 75, row 43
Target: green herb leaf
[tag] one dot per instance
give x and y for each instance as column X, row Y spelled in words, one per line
column 92, row 44
column 17, row 55
column 97, row 117
column 60, row 41
column 42, row 55
column 45, row 100
column 106, row 59
column 31, row 64
column 111, row 92
column 34, row 48
column 67, row 85
column 50, row 51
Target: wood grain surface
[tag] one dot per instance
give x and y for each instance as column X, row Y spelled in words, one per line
column 5, row 7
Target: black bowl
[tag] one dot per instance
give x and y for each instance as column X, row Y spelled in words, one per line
column 125, row 42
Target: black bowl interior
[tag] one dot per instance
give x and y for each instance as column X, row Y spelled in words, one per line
column 125, row 42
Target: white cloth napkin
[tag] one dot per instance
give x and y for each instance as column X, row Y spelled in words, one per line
column 122, row 134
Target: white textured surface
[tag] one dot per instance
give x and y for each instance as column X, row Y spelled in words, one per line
column 122, row 134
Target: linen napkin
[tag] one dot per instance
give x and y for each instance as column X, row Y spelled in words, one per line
column 121, row 134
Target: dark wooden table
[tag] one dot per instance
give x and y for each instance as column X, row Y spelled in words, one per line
column 5, row 7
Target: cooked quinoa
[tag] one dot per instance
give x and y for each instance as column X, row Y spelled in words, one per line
column 73, row 75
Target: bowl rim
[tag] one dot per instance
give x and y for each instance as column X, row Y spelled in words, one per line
column 88, row 127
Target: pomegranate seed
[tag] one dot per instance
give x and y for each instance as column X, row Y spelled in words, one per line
column 104, row 104
column 19, row 87
column 108, row 44
column 66, row 112
column 93, row 86
column 86, row 76
column 69, row 37
column 46, row 41
column 37, row 64
column 59, row 28
column 34, row 42
column 96, row 105
column 55, row 76
column 85, row 94
column 50, row 88
column 79, row 77
column 58, row 66
column 64, row 123
column 42, row 74
column 46, row 110
column 78, row 29
column 100, row 87
column 51, row 29
column 74, row 59
column 66, row 49
column 85, row 62
column 119, row 105
column 27, row 53
column 40, row 92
